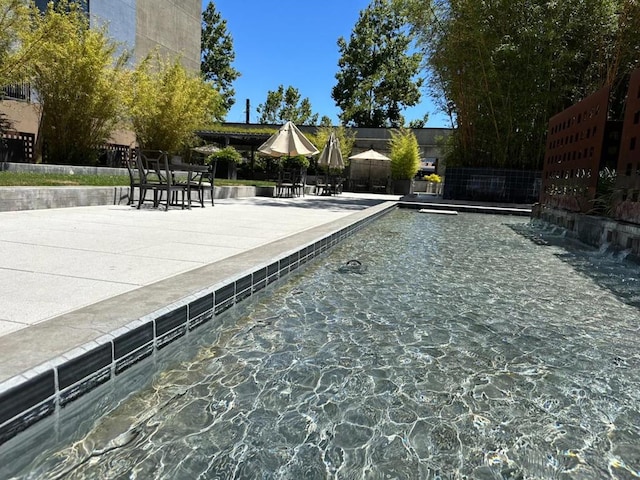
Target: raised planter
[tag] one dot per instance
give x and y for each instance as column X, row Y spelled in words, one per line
column 402, row 187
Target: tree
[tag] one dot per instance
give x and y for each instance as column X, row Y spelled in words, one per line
column 286, row 105
column 503, row 68
column 14, row 23
column 378, row 76
column 404, row 154
column 218, row 55
column 167, row 104
column 79, row 83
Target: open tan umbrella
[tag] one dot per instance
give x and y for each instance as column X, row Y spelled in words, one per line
column 382, row 164
column 370, row 155
column 331, row 156
column 288, row 142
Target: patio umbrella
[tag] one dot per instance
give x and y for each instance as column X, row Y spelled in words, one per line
column 331, row 156
column 206, row 149
column 288, row 142
column 372, row 156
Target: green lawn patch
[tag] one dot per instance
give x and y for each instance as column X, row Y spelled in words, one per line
column 27, row 179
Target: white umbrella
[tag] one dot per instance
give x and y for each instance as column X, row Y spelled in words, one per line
column 288, row 142
column 331, row 156
column 206, row 149
column 370, row 155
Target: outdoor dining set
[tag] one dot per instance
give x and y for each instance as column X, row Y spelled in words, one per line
column 168, row 180
column 165, row 180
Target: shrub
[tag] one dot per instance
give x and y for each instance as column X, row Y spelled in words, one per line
column 405, row 154
column 433, row 178
column 228, row 154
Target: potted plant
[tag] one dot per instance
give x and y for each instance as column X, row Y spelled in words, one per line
column 433, row 183
column 405, row 160
column 230, row 157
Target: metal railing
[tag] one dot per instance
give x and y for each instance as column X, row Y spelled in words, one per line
column 17, row 91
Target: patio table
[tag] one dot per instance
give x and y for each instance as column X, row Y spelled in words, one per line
column 195, row 175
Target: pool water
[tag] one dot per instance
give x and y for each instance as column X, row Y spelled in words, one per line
column 459, row 348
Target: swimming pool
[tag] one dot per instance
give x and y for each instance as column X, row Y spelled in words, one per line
column 460, row 349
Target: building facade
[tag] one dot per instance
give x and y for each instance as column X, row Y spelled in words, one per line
column 172, row 27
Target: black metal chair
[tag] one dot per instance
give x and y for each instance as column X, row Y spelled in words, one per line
column 156, row 176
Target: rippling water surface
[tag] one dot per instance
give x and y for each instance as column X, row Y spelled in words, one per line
column 461, row 349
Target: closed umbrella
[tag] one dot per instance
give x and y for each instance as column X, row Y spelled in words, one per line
column 288, row 142
column 331, row 156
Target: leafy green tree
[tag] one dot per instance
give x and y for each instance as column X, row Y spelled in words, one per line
column 218, row 54
column 79, row 83
column 14, row 24
column 419, row 122
column 286, row 105
column 167, row 104
column 503, row 68
column 404, row 154
column 378, row 75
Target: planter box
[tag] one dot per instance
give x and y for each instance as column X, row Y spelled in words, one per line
column 402, row 187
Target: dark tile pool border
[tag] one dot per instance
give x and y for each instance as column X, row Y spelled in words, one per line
column 38, row 393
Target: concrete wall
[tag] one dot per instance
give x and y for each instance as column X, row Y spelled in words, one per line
column 120, row 18
column 595, row 231
column 24, row 116
column 172, row 25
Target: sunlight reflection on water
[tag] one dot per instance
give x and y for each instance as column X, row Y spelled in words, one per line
column 463, row 350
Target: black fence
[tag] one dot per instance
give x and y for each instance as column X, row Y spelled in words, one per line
column 492, row 185
column 17, row 91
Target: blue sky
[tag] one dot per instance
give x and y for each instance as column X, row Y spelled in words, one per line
column 294, row 42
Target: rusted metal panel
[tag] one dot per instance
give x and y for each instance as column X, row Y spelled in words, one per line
column 575, row 148
column 628, row 169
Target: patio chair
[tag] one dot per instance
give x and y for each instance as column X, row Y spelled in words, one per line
column 284, row 185
column 134, row 177
column 199, row 179
column 156, row 176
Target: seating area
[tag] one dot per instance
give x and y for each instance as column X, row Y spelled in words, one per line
column 168, row 182
column 329, row 185
column 291, row 182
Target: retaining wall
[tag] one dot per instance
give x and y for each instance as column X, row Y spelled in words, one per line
column 595, row 231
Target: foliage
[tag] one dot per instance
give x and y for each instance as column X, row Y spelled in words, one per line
column 434, row 178
column 227, row 154
column 404, row 154
column 299, row 161
column 419, row 122
column 346, row 138
column 14, row 25
column 78, row 83
column 167, row 104
column 378, row 76
column 503, row 68
column 220, row 128
column 218, row 55
column 286, row 105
